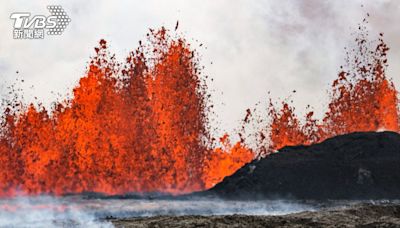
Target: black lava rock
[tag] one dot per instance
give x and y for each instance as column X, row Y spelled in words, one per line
column 364, row 165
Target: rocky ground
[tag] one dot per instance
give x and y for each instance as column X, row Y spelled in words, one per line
column 361, row 215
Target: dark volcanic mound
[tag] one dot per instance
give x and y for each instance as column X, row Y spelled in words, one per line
column 362, row 165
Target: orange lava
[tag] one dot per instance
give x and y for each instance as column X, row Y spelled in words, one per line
column 362, row 99
column 141, row 126
column 225, row 161
column 138, row 126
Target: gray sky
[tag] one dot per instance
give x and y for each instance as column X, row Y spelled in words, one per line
column 255, row 46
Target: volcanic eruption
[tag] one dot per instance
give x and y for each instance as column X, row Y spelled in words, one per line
column 138, row 126
column 142, row 125
column 362, row 99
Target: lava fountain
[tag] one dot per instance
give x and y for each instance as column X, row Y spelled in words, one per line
column 141, row 125
column 138, row 126
column 362, row 99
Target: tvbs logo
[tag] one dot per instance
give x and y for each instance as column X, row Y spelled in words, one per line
column 34, row 27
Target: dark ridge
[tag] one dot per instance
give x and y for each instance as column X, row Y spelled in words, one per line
column 361, row 165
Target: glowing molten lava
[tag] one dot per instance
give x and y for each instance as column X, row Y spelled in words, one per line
column 362, row 99
column 222, row 164
column 139, row 126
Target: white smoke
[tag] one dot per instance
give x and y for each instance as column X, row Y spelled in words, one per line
column 45, row 211
column 143, row 208
column 75, row 211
